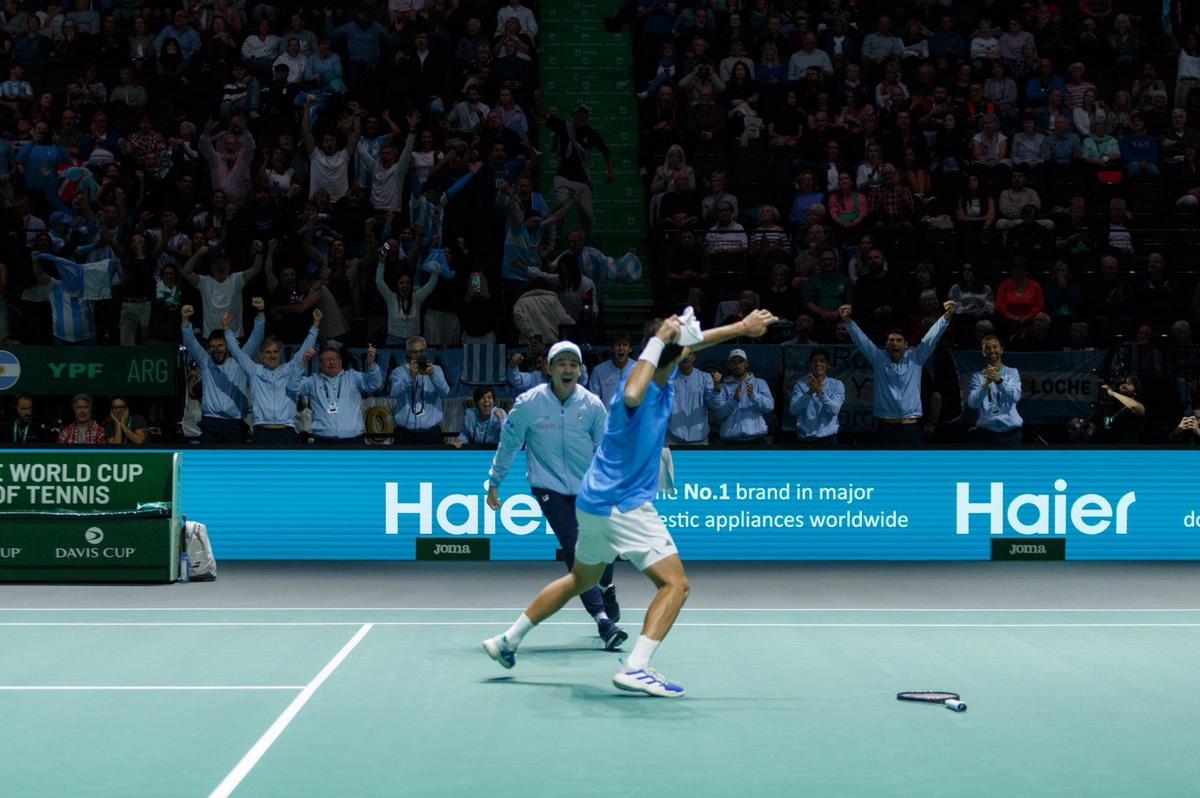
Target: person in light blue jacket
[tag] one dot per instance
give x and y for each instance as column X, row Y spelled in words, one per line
column 483, row 422
column 994, row 393
column 816, row 401
column 224, row 401
column 695, row 396
column 335, row 395
column 610, row 374
column 560, row 424
column 274, row 407
column 418, row 387
column 743, row 402
column 897, row 376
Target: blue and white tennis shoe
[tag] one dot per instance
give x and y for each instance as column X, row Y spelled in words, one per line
column 497, row 648
column 646, row 680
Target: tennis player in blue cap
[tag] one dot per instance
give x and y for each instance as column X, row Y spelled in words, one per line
column 615, row 506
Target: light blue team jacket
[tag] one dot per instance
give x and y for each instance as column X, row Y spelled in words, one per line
column 898, row 385
column 343, row 396
column 817, row 416
column 560, row 438
column 746, row 418
column 269, row 389
column 997, row 404
column 224, row 386
column 694, row 397
column 419, row 406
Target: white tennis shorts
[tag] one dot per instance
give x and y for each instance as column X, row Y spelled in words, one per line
column 638, row 536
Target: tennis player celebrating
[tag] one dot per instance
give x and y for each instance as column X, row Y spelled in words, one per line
column 615, row 510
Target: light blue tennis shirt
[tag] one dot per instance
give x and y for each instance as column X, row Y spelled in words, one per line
column 269, row 396
column 559, row 438
column 997, row 404
column 336, row 402
column 223, row 387
column 624, row 473
column 898, row 385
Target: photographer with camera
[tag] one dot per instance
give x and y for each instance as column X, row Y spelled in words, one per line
column 418, row 388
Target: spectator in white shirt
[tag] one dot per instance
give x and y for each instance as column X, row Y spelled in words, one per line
column 329, row 166
column 524, row 16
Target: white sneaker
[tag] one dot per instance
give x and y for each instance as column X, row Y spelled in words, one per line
column 497, row 648
column 646, row 680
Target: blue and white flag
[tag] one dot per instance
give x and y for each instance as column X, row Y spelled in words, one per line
column 484, row 364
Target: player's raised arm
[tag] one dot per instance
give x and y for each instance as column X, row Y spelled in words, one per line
column 650, row 361
column 753, row 326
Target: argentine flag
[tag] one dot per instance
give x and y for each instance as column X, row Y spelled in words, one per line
column 10, row 370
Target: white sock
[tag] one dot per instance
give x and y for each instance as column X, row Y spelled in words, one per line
column 516, row 633
column 600, row 617
column 643, row 650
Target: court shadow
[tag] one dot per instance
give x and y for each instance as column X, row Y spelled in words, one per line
column 609, row 699
column 571, row 648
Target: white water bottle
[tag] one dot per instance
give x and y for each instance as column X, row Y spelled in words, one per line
column 185, row 567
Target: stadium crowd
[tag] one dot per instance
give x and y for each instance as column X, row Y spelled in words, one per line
column 310, row 182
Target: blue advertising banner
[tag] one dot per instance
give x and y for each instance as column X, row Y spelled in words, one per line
column 728, row 504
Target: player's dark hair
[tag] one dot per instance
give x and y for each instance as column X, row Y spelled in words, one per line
column 671, row 352
column 819, row 352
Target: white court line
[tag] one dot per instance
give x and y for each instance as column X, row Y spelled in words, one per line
column 581, row 609
column 780, row 625
column 50, row 688
column 180, row 623
column 251, row 758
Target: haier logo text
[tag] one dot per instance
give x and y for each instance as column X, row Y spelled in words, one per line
column 1043, row 513
column 461, row 513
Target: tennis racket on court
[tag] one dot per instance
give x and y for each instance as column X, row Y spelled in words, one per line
column 948, row 700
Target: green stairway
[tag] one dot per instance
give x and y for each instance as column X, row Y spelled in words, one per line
column 580, row 61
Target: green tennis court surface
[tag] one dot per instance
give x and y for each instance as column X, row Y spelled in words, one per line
column 364, row 702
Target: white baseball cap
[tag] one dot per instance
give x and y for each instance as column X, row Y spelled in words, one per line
column 738, row 353
column 564, row 347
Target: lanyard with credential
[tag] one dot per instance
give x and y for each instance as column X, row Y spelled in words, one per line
column 24, row 436
column 418, row 396
column 338, row 393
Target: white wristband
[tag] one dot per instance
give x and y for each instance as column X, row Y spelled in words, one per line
column 653, row 351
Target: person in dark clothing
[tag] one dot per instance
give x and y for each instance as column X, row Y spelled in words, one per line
column 575, row 141
column 23, row 428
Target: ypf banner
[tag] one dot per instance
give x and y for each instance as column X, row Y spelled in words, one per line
column 66, row 370
column 1055, row 386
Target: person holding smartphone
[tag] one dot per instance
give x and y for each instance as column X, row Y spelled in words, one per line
column 479, row 315
column 1188, row 431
